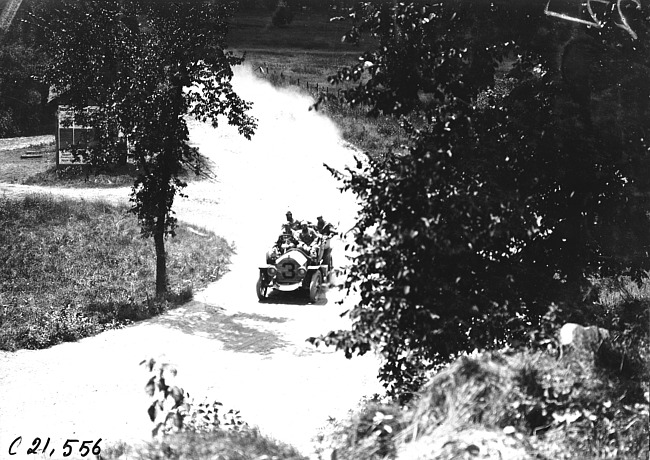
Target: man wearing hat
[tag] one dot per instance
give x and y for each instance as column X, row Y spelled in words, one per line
column 294, row 224
column 323, row 227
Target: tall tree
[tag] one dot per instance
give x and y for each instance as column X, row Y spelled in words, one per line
column 526, row 175
column 145, row 65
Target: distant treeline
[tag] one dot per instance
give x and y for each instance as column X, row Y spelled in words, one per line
column 24, row 109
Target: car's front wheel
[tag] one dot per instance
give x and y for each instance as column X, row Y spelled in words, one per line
column 261, row 289
column 314, row 286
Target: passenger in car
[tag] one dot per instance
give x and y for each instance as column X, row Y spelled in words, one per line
column 308, row 240
column 294, row 224
column 323, row 227
column 307, row 235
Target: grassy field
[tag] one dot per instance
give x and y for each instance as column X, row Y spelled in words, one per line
column 16, row 169
column 306, row 52
column 70, row 269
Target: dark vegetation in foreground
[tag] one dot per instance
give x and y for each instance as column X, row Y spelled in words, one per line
column 71, row 269
column 515, row 405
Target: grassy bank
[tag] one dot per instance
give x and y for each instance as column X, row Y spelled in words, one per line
column 70, row 269
column 19, row 164
column 508, row 405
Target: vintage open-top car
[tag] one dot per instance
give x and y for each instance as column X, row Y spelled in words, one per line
column 296, row 267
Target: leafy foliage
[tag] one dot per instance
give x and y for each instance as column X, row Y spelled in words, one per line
column 145, row 65
column 369, row 432
column 524, row 177
column 185, row 429
column 172, row 409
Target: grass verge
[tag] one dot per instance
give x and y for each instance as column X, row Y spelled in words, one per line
column 70, row 269
column 248, row 444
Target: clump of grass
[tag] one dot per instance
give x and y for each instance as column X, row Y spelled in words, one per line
column 368, row 432
column 84, row 176
column 106, row 176
column 378, row 136
column 517, row 405
column 70, row 269
column 248, row 444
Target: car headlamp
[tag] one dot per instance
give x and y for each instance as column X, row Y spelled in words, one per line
column 302, row 271
column 271, row 271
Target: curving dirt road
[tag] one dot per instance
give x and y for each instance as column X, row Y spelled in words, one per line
column 226, row 345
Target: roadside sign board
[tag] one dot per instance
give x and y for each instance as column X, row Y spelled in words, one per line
column 70, row 134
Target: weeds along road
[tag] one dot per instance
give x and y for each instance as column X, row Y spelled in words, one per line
column 227, row 347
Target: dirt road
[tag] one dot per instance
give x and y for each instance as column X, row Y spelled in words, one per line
column 226, row 345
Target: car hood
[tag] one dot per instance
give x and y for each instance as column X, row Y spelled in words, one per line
column 297, row 256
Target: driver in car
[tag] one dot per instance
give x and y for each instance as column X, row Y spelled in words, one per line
column 286, row 238
column 285, row 241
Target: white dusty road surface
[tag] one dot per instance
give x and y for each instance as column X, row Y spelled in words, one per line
column 227, row 347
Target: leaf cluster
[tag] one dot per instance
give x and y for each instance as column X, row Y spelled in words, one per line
column 172, row 410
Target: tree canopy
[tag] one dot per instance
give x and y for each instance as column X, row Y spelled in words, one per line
column 526, row 175
column 145, row 65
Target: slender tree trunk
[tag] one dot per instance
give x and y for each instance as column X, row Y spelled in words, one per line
column 161, row 258
column 167, row 165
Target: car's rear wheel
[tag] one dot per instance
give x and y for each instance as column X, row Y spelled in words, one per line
column 261, row 289
column 314, row 286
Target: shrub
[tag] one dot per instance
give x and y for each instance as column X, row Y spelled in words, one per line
column 503, row 205
column 523, row 405
column 368, row 433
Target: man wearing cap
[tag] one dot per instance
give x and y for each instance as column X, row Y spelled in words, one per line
column 286, row 239
column 308, row 239
column 323, row 227
column 327, row 230
column 294, row 224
